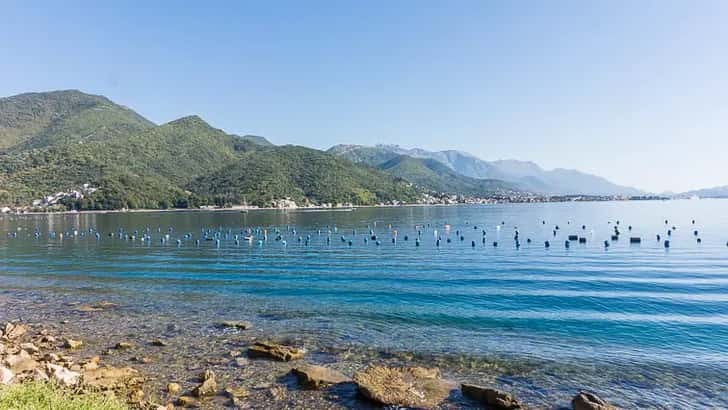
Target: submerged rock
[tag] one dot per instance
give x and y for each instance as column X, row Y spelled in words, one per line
column 112, row 378
column 123, row 346
column 315, row 377
column 72, row 344
column 186, row 401
column 490, row 397
column 173, row 388
column 590, row 401
column 274, row 351
column 237, row 392
column 403, row 386
column 236, row 324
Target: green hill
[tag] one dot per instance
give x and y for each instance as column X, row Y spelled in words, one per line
column 183, row 163
column 37, row 120
column 432, row 175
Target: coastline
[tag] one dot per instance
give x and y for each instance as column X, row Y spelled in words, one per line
column 142, row 362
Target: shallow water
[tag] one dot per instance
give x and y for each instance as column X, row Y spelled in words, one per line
column 641, row 324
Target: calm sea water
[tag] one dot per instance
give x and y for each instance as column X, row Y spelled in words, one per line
column 640, row 322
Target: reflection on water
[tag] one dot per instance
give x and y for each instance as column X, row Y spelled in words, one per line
column 637, row 320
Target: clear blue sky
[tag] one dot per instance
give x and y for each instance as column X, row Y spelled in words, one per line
column 636, row 91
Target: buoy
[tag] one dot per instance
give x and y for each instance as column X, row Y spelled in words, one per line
column 658, row 238
column 582, row 240
column 700, row 240
column 546, row 244
column 667, row 244
column 635, row 240
column 495, row 244
column 606, row 244
column 472, row 244
column 566, row 244
column 695, row 233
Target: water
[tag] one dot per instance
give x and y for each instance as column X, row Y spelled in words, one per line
column 641, row 324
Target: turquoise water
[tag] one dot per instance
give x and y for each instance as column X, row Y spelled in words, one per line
column 657, row 317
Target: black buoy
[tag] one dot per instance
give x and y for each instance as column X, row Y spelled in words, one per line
column 606, row 244
column 528, row 240
column 546, row 244
column 667, row 243
column 472, row 244
column 695, row 233
column 700, row 240
column 495, row 244
column 658, row 238
column 566, row 244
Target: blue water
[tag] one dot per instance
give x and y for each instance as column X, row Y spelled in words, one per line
column 656, row 317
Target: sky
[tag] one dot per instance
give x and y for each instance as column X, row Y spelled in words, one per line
column 635, row 91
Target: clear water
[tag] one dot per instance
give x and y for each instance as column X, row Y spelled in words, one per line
column 640, row 323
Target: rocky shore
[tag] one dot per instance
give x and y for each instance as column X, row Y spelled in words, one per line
column 237, row 370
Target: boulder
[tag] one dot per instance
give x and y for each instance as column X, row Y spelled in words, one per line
column 112, row 378
column 590, row 401
column 274, row 351
column 208, row 387
column 14, row 330
column 159, row 343
column 316, row 377
column 63, row 376
column 30, row 348
column 21, row 362
column 491, row 397
column 6, row 376
column 235, row 324
column 403, row 386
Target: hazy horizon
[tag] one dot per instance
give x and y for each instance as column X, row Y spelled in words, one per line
column 634, row 93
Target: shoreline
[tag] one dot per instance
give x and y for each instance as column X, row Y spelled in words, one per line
column 145, row 362
column 245, row 209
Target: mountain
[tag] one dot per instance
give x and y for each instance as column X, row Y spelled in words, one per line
column 526, row 175
column 433, row 175
column 715, row 192
column 183, row 163
column 37, row 120
column 255, row 139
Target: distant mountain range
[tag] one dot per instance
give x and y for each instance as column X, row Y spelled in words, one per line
column 523, row 175
column 53, row 142
column 715, row 192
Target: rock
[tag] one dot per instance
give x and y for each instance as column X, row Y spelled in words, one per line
column 208, row 386
column 29, row 347
column 235, row 324
column 21, row 362
column 91, row 364
column 40, row 376
column 159, row 342
column 6, row 376
column 316, row 377
column 52, row 357
column 590, row 401
column 234, row 353
column 237, row 392
column 490, row 397
column 123, row 346
column 136, row 396
column 105, row 304
column 241, row 362
column 14, row 330
column 274, row 351
column 112, row 378
column 186, row 401
column 87, row 308
column 404, row 386
column 173, row 388
column 63, row 376
column 72, row 344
